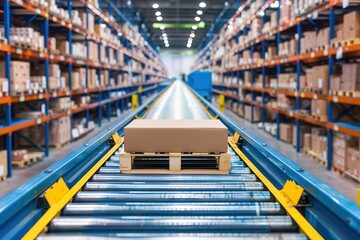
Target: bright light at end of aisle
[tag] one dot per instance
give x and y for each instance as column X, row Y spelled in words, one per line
column 202, row 4
column 199, row 12
column 155, row 5
column 158, row 13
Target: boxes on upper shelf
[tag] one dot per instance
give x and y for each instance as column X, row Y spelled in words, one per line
column 351, row 28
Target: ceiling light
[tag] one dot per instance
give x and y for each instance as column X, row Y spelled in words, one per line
column 199, row 12
column 202, row 4
column 166, row 42
column 162, row 27
column 164, row 34
column 159, row 18
column 190, row 39
column 158, row 13
column 197, row 19
column 167, row 45
column 155, row 5
column 194, row 27
column 192, row 35
column 188, row 46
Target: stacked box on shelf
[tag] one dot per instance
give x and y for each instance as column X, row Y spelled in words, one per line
column 341, row 143
column 19, row 76
column 352, row 165
column 3, row 164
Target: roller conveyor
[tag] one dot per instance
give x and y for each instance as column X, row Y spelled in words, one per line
column 240, row 205
column 174, row 204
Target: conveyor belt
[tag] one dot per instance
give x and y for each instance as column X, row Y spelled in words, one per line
column 230, row 206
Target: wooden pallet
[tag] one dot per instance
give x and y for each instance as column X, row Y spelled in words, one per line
column 344, row 43
column 343, row 93
column 337, row 170
column 60, row 145
column 175, row 159
column 356, row 178
column 32, row 158
column 2, row 178
column 320, row 118
column 315, row 156
column 3, row 40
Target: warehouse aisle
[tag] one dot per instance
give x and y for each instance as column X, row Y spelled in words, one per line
column 177, row 103
column 345, row 186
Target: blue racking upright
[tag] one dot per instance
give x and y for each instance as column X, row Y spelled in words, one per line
column 108, row 99
column 228, row 78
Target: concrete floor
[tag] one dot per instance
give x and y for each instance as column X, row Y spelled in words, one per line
column 20, row 175
column 346, row 186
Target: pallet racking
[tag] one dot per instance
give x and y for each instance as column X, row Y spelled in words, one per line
column 320, row 14
column 115, row 98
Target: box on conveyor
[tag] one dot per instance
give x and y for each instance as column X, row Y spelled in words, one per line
column 176, row 136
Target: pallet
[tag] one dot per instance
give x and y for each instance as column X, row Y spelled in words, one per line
column 343, row 93
column 3, row 40
column 337, row 170
column 356, row 178
column 320, row 118
column 127, row 163
column 2, row 178
column 344, row 43
column 32, row 158
column 315, row 156
column 60, row 145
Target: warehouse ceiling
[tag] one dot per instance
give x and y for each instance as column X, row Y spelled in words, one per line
column 169, row 23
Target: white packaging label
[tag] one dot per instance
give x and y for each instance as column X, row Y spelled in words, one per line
column 63, row 84
column 44, row 82
column 5, row 86
column 345, row 3
column 2, row 170
column 339, row 53
column 43, row 108
column 58, row 73
column 320, row 82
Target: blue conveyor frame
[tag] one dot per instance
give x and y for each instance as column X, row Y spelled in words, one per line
column 332, row 214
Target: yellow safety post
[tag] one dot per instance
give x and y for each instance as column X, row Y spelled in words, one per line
column 134, row 101
column 222, row 102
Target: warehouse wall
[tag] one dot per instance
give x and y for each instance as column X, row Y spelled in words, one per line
column 176, row 62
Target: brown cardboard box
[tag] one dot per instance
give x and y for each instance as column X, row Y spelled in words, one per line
column 350, row 78
column 63, row 47
column 19, row 155
column 303, row 130
column 351, row 25
column 307, row 141
column 352, row 165
column 3, row 163
column 335, row 82
column 341, row 143
column 175, row 136
column 286, row 132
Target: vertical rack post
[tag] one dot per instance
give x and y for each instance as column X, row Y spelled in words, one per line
column 278, row 68
column 298, row 75
column 87, row 112
column 8, row 137
column 252, row 84
column 47, row 124
column 330, row 104
column 263, row 73
column 70, row 67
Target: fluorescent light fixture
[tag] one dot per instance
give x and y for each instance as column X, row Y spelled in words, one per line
column 190, row 39
column 199, row 12
column 194, row 27
column 192, row 35
column 159, row 18
column 155, row 5
column 197, row 19
column 166, row 42
column 162, row 27
column 202, row 4
column 167, row 45
column 164, row 35
column 158, row 13
column 188, row 45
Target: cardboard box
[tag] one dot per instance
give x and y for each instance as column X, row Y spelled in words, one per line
column 286, row 132
column 352, row 165
column 307, row 141
column 341, row 143
column 176, row 136
column 3, row 163
column 351, row 28
column 303, row 130
column 19, row 155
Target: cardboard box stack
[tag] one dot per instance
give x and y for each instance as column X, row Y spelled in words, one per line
column 3, row 164
column 19, row 155
column 350, row 78
column 61, row 104
column 303, row 130
column 341, row 144
column 319, row 143
column 351, row 28
column 286, row 132
column 19, row 76
column 317, row 78
column 256, row 113
column 287, row 80
column 319, row 109
column 352, row 165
